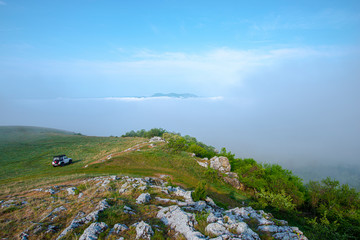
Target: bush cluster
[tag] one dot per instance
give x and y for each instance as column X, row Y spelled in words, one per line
column 331, row 210
column 154, row 132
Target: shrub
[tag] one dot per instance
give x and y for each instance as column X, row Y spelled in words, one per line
column 211, row 174
column 200, row 192
column 280, row 201
column 199, row 151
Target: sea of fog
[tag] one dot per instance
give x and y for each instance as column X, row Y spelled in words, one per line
column 314, row 143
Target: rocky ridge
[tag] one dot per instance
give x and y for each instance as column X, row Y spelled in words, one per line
column 145, row 207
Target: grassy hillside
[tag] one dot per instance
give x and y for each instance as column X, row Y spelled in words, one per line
column 28, row 152
column 324, row 210
column 26, row 162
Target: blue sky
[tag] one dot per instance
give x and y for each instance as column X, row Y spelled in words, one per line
column 116, row 30
column 285, row 74
column 163, row 45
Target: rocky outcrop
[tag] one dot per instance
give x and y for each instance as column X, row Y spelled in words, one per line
column 233, row 179
column 181, row 221
column 118, row 228
column 216, row 229
column 93, row 216
column 143, row 198
column 71, row 190
column 93, row 231
column 173, row 206
column 221, row 164
column 156, row 139
column 143, row 230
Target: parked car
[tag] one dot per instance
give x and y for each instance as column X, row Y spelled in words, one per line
column 61, row 160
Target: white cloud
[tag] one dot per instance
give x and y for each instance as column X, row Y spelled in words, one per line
column 142, row 99
column 210, row 73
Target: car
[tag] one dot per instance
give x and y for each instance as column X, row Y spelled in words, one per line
column 61, row 160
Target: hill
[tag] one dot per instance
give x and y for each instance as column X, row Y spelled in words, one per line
column 26, row 133
column 180, row 161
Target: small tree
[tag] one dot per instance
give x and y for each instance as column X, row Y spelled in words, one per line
column 200, row 192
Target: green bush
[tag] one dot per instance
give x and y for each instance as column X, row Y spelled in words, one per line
column 199, row 151
column 146, row 134
column 200, row 192
column 280, row 201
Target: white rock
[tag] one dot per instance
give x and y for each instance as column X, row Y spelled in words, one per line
column 287, row 236
column 93, row 216
column 199, row 205
column 216, row 229
column 203, row 164
column 118, row 228
column 182, row 193
column 143, row 188
column 211, row 218
column 240, row 228
column 143, row 230
column 156, row 139
column 51, row 191
column 220, row 163
column 143, row 198
column 80, row 195
column 268, row 228
column 71, row 190
column 93, row 231
column 180, row 221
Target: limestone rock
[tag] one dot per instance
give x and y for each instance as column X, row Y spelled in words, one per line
column 143, row 198
column 71, row 190
column 143, row 230
column 156, row 139
column 221, row 164
column 180, row 221
column 234, row 182
column 93, row 231
column 118, row 228
column 203, row 164
column 215, row 229
column 211, row 218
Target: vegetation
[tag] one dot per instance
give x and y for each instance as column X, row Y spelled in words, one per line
column 322, row 209
column 332, row 210
column 200, row 192
column 154, row 132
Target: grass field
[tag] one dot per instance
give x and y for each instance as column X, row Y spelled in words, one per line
column 26, row 157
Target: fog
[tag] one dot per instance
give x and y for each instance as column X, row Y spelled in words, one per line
column 285, row 114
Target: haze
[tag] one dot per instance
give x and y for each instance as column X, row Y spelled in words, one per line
column 278, row 81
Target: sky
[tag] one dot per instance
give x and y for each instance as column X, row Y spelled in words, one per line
column 278, row 81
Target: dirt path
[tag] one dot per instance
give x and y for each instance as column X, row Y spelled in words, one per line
column 131, row 149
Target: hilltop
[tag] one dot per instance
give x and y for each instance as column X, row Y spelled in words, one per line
column 41, row 201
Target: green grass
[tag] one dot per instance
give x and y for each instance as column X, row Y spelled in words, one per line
column 26, row 162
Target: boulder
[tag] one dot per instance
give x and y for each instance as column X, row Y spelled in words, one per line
column 211, row 218
column 143, row 230
column 93, row 231
column 156, row 139
column 118, row 228
column 180, row 221
column 178, row 191
column 221, row 164
column 216, row 229
column 203, row 164
column 233, row 181
column 71, row 190
column 143, row 198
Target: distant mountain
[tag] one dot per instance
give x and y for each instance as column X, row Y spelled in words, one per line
column 175, row 95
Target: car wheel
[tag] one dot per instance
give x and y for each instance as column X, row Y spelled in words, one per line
column 61, row 164
column 70, row 162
